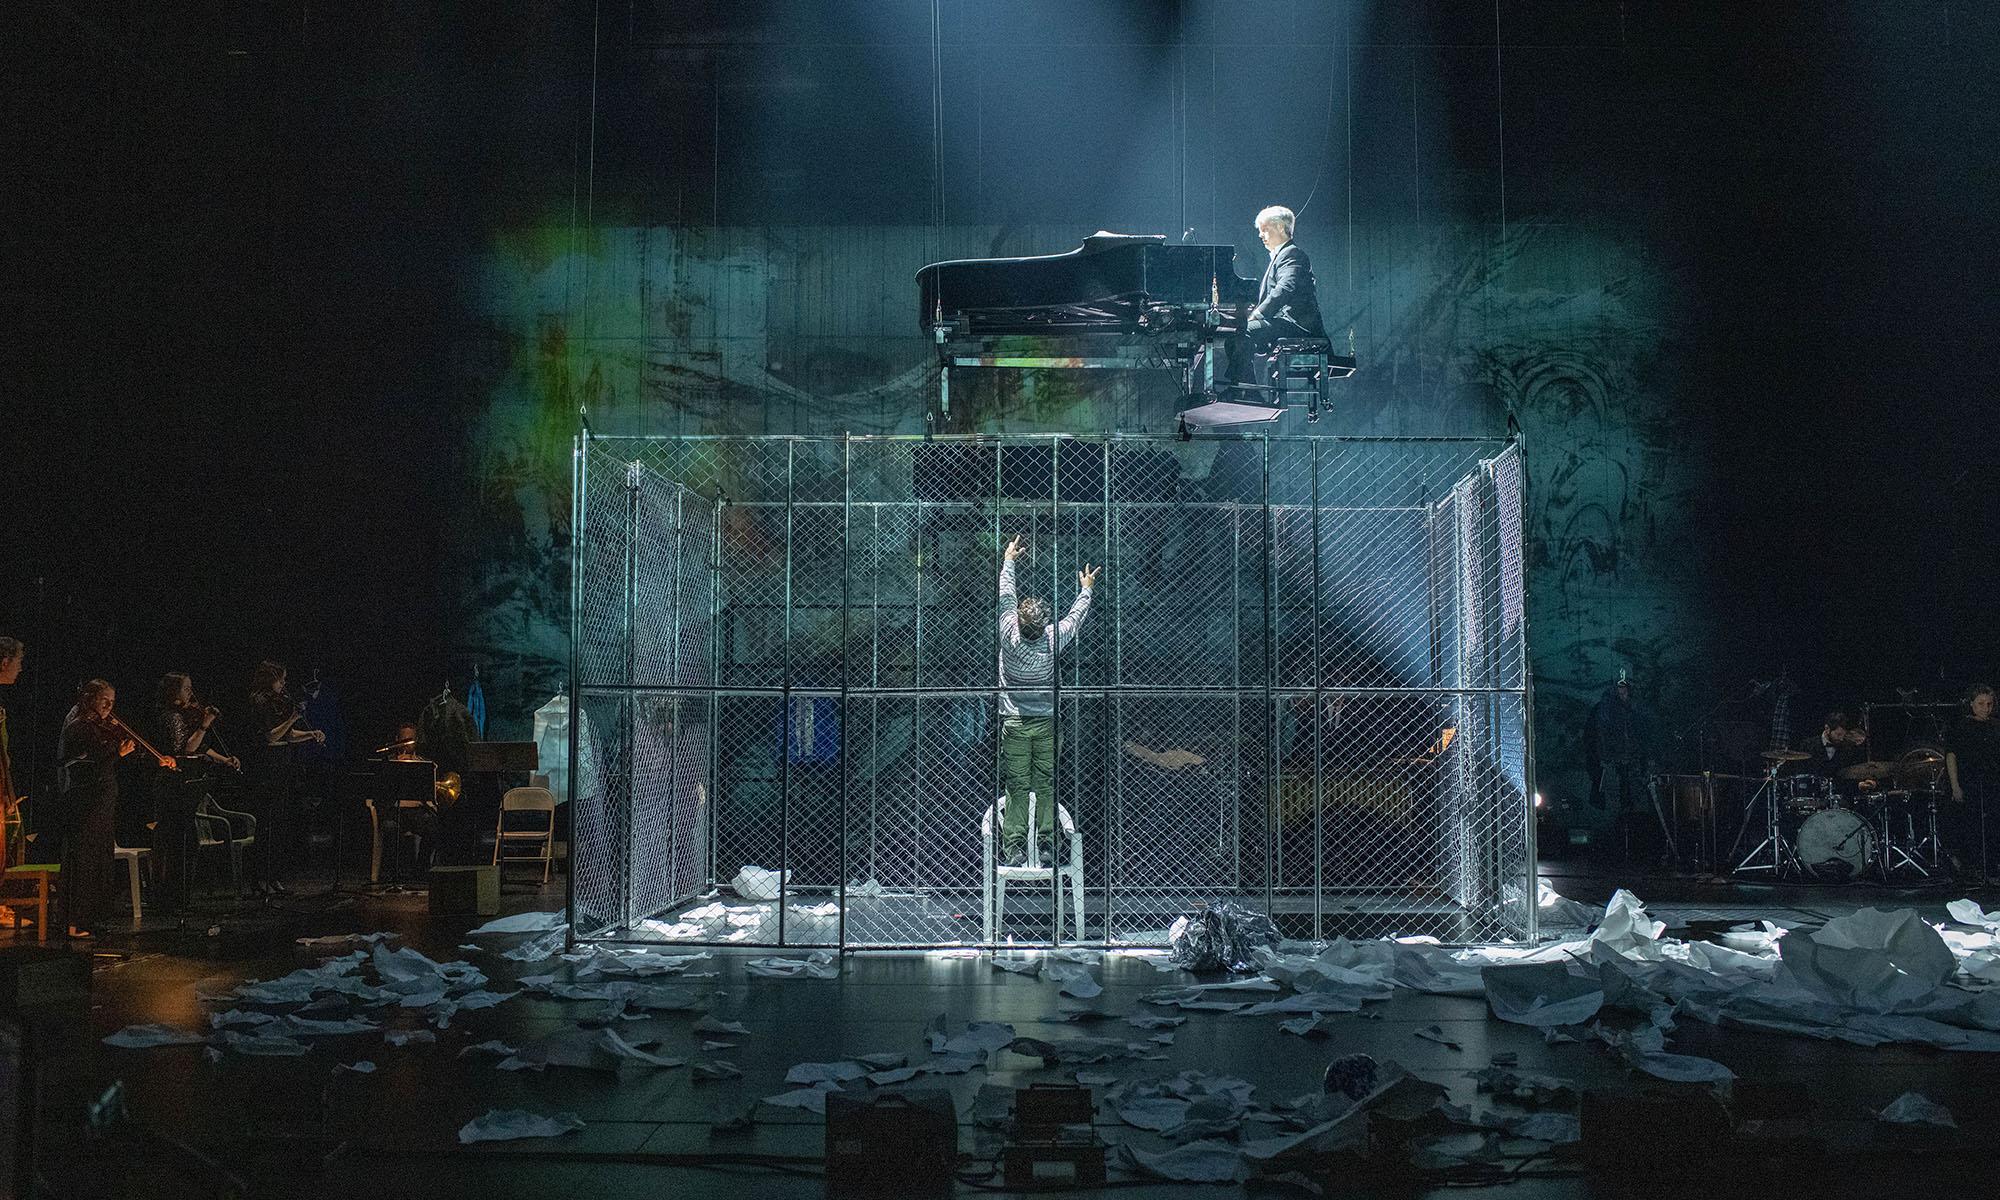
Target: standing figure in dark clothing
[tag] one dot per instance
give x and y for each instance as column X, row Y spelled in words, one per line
column 1972, row 764
column 1617, row 740
column 275, row 717
column 184, row 728
column 91, row 745
column 12, row 654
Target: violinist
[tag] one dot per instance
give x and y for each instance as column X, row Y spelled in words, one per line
column 276, row 717
column 184, row 728
column 186, row 725
column 92, row 742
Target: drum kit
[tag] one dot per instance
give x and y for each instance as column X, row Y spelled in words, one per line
column 1874, row 819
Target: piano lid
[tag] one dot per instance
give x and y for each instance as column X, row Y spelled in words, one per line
column 1104, row 285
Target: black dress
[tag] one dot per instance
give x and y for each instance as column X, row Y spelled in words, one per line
column 88, row 818
column 1976, row 745
column 268, row 774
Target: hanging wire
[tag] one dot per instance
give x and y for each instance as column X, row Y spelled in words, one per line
column 937, row 110
column 1500, row 119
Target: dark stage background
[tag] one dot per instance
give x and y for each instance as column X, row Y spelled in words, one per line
column 302, row 299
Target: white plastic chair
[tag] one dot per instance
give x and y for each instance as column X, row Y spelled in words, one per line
column 996, row 877
column 130, row 856
column 217, row 826
column 526, row 799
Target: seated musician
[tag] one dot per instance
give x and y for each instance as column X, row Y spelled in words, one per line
column 1841, row 744
column 1287, row 299
column 417, row 820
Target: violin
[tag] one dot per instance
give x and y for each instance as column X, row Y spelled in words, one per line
column 166, row 761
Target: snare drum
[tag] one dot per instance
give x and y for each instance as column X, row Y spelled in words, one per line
column 1804, row 795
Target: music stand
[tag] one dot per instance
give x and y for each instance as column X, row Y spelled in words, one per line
column 405, row 784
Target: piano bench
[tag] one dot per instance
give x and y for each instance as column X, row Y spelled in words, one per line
column 1298, row 373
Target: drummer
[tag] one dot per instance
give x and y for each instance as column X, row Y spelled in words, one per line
column 1841, row 744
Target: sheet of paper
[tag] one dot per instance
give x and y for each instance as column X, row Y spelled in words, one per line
column 1203, row 1161
column 410, row 1037
column 1073, row 980
column 811, row 1099
column 527, row 922
column 825, row 1072
column 1542, row 994
column 509, row 1124
column 819, row 965
column 1914, row 1108
column 145, row 1037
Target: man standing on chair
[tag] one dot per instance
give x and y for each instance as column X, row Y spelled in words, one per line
column 1028, row 649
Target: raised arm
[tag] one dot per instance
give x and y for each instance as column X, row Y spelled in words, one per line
column 1086, row 579
column 1010, row 623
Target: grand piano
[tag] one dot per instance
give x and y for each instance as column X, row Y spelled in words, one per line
column 1118, row 301
column 1113, row 283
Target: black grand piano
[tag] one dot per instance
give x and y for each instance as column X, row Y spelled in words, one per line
column 1113, row 283
column 1118, row 301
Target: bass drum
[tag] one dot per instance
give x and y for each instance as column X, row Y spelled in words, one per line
column 1835, row 844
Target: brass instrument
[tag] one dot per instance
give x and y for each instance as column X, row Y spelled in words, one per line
column 447, row 791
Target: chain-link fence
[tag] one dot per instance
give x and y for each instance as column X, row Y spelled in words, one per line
column 1300, row 685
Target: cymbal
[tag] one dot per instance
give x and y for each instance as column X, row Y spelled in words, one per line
column 1868, row 770
column 1784, row 756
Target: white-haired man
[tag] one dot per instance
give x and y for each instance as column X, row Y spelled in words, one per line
column 1287, row 298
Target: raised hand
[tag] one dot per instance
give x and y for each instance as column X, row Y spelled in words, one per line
column 1014, row 548
column 1086, row 577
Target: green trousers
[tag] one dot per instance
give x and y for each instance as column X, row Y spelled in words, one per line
column 1027, row 764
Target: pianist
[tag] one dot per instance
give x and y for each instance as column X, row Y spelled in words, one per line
column 1287, row 301
column 1287, row 304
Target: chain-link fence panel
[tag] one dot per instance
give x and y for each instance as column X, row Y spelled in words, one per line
column 1300, row 684
column 600, row 814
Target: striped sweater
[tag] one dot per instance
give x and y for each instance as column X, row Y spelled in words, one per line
column 1027, row 669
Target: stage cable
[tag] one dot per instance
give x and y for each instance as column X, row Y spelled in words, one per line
column 1325, row 145
column 937, row 112
column 1500, row 120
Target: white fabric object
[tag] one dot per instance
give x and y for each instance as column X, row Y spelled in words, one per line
column 551, row 737
column 755, row 883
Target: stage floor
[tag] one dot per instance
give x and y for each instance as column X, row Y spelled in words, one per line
column 303, row 1126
